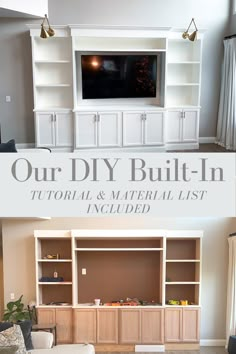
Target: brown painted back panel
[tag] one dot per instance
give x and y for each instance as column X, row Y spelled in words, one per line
column 117, row 275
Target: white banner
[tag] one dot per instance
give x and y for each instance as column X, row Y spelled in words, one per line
column 103, row 184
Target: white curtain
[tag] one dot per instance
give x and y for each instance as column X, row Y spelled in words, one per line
column 226, row 127
column 231, row 290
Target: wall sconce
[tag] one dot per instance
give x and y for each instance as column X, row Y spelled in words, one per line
column 193, row 36
column 45, row 33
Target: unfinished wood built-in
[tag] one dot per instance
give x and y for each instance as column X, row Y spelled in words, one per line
column 160, row 268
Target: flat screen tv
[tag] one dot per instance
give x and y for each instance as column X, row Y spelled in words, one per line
column 119, row 76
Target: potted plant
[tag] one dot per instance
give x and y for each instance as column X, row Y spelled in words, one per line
column 15, row 311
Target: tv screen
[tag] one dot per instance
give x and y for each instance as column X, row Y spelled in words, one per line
column 118, row 76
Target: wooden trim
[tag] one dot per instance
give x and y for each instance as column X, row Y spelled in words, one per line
column 182, row 346
column 114, row 348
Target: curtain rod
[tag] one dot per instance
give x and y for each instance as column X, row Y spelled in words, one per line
column 233, row 234
column 229, row 37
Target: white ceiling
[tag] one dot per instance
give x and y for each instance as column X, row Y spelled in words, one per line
column 10, row 13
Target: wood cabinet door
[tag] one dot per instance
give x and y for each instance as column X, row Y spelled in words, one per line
column 133, row 128
column 46, row 316
column 173, row 324
column 84, row 325
column 174, row 127
column 152, row 331
column 130, row 326
column 191, row 323
column 190, row 125
column 86, row 130
column 64, row 325
column 107, row 326
column 63, row 129
column 109, row 129
column 154, row 128
column 44, row 127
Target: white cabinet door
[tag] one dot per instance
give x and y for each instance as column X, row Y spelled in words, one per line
column 63, row 129
column 86, row 130
column 174, row 127
column 109, row 129
column 45, row 129
column 190, row 125
column 154, row 128
column 133, row 128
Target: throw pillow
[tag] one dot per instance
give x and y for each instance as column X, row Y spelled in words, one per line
column 13, row 336
column 10, row 146
column 9, row 350
column 25, row 326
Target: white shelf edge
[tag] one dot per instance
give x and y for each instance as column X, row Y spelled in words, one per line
column 182, row 260
column 53, row 306
column 55, row 260
column 183, row 84
column 183, row 62
column 52, row 85
column 117, row 249
column 52, row 61
column 184, row 306
column 182, row 283
column 125, row 50
column 49, row 109
column 55, row 283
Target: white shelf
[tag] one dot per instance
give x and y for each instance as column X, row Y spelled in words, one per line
column 55, row 283
column 52, row 61
column 182, row 260
column 183, row 84
column 183, row 62
column 182, row 283
column 55, row 260
column 52, row 85
column 118, row 249
column 52, row 109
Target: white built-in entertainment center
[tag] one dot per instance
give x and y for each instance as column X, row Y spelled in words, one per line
column 66, row 121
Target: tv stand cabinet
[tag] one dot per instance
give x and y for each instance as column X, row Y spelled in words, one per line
column 152, row 265
column 67, row 122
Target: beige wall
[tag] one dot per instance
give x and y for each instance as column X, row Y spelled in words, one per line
column 19, row 269
column 1, row 275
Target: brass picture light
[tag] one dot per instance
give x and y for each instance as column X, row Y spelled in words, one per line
column 49, row 32
column 193, row 36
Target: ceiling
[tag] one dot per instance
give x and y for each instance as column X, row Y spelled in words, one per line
column 15, row 14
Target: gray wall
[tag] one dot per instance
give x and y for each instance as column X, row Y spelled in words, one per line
column 15, row 54
column 19, row 276
column 232, row 21
column 16, row 118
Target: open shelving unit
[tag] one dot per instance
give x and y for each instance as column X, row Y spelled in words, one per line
column 49, row 292
column 183, row 270
column 151, row 265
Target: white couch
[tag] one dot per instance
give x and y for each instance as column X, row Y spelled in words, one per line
column 43, row 344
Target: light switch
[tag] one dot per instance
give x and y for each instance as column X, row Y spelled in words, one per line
column 83, row 271
column 8, row 98
column 12, row 296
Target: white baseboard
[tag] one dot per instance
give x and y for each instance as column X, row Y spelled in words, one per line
column 182, row 146
column 212, row 342
column 207, row 140
column 149, row 348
